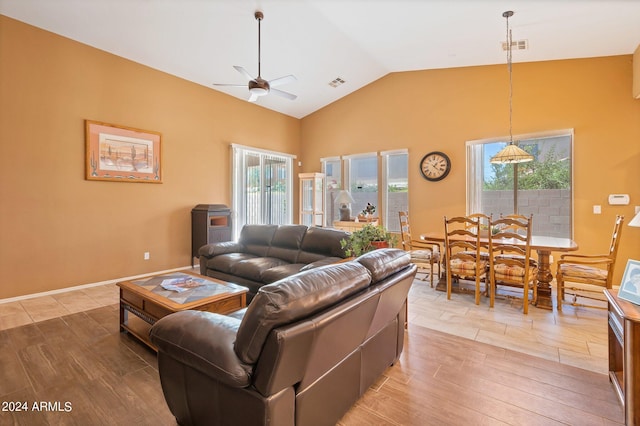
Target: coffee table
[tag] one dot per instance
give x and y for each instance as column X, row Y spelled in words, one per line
column 152, row 298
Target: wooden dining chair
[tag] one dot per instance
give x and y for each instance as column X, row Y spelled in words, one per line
column 483, row 228
column 464, row 254
column 594, row 271
column 510, row 262
column 424, row 254
column 516, row 228
column 482, row 220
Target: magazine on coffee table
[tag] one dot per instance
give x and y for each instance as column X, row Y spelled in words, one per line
column 182, row 283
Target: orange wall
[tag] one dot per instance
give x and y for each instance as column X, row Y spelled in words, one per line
column 441, row 109
column 59, row 230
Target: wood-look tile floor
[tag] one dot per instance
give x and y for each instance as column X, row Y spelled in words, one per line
column 462, row 364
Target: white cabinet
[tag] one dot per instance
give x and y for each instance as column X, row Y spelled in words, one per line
column 311, row 199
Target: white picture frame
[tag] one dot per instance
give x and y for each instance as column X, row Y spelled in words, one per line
column 630, row 285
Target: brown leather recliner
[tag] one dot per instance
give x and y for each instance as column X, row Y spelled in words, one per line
column 302, row 353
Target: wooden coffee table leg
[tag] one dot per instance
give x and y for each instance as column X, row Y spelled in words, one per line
column 123, row 314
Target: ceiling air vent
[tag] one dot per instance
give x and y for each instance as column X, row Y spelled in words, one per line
column 336, row 82
column 516, row 45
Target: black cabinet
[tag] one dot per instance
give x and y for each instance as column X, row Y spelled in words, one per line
column 210, row 223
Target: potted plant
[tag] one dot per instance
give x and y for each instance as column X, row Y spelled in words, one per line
column 367, row 238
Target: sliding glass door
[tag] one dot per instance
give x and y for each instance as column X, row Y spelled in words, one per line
column 262, row 185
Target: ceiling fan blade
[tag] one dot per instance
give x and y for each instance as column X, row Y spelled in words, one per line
column 283, row 94
column 253, row 97
column 243, row 72
column 282, row 80
column 230, row 85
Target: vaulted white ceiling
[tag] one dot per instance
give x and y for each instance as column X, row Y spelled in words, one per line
column 318, row 41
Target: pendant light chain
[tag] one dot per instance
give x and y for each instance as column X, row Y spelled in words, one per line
column 510, row 64
column 510, row 154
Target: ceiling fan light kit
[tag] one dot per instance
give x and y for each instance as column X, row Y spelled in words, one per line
column 259, row 86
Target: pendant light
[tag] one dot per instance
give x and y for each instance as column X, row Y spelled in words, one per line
column 511, row 154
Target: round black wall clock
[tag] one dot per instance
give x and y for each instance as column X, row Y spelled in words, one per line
column 435, row 166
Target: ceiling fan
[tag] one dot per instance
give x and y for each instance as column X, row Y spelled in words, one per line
column 259, row 86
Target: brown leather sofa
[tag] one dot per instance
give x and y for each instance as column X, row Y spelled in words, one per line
column 268, row 253
column 302, row 353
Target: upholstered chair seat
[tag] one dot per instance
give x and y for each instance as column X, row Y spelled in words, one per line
column 573, row 270
column 466, row 268
column 583, row 277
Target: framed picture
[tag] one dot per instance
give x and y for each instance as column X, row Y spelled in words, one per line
column 122, row 154
column 630, row 287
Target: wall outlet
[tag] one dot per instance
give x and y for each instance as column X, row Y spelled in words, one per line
column 597, row 209
column 147, row 256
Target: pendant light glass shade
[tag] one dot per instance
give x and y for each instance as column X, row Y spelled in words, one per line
column 511, row 154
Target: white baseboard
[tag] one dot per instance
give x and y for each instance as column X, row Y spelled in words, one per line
column 82, row 286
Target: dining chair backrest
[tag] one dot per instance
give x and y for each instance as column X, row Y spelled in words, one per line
column 518, row 217
column 613, row 247
column 594, row 270
column 482, row 221
column 615, row 237
column 423, row 253
column 405, row 230
column 463, row 252
column 461, row 236
column 509, row 234
column 510, row 256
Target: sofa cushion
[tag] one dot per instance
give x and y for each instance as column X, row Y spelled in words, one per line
column 322, row 262
column 256, row 239
column 382, row 263
column 279, row 272
column 321, row 242
column 224, row 262
column 216, row 249
column 254, row 268
column 294, row 298
column 286, row 242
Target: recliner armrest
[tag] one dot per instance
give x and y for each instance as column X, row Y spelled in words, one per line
column 203, row 341
column 215, row 249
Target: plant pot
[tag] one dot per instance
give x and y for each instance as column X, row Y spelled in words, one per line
column 380, row 244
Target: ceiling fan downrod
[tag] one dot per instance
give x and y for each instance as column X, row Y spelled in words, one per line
column 259, row 17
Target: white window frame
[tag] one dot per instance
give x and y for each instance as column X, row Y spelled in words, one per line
column 331, row 190
column 382, row 199
column 474, row 176
column 346, row 161
column 384, row 202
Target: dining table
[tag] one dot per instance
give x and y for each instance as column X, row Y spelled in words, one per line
column 543, row 246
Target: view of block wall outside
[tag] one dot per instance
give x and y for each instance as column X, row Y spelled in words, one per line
column 550, row 208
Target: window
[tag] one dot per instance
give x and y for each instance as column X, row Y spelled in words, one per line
column 361, row 172
column 543, row 187
column 364, row 175
column 262, row 184
column 395, row 166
